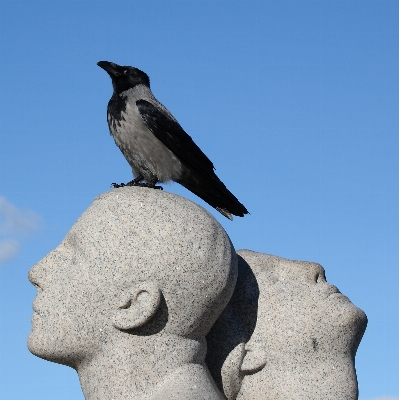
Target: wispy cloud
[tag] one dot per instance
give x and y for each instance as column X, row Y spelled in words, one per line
column 8, row 249
column 14, row 224
column 14, row 221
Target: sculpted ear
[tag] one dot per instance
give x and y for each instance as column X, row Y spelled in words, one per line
column 254, row 360
column 137, row 306
column 231, row 372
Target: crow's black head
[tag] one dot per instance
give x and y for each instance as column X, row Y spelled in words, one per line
column 124, row 78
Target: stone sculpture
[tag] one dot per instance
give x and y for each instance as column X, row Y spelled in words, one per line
column 129, row 295
column 286, row 334
column 145, row 279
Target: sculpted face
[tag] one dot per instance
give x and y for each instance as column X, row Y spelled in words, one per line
column 132, row 253
column 296, row 307
column 306, row 332
column 73, row 308
column 129, row 295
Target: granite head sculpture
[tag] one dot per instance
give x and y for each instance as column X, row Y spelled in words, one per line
column 294, row 335
column 128, row 296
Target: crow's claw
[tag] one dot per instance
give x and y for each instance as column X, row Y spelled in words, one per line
column 117, row 185
column 152, row 185
column 136, row 182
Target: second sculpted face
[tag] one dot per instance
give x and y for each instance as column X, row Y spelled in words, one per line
column 297, row 296
column 306, row 334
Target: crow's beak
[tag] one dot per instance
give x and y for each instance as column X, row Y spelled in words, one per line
column 109, row 67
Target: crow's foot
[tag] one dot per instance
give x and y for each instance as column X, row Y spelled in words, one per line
column 151, row 185
column 134, row 182
column 137, row 182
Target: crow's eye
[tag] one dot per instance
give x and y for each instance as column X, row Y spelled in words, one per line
column 125, row 72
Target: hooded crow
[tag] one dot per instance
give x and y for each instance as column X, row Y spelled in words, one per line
column 156, row 146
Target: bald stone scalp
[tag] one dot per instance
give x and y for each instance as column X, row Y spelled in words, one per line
column 151, row 235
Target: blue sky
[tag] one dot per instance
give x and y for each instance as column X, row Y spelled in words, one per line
column 295, row 102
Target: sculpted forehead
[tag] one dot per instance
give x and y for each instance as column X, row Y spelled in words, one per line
column 96, row 237
column 298, row 271
column 97, row 225
column 281, row 269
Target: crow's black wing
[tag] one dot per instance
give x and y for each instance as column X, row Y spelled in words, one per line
column 173, row 136
column 201, row 180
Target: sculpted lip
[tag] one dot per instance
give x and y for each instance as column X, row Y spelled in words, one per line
column 333, row 290
column 35, row 308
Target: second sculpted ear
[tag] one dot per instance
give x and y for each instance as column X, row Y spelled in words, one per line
column 137, row 306
column 254, row 360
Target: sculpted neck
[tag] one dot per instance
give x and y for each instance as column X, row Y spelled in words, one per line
column 137, row 367
column 331, row 377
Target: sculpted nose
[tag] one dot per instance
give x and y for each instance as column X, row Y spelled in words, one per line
column 36, row 273
column 318, row 273
column 312, row 272
column 32, row 276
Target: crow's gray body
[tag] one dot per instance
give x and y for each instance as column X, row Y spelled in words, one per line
column 156, row 146
column 147, row 156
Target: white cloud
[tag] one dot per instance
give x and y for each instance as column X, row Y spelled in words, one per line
column 14, row 223
column 382, row 398
column 8, row 249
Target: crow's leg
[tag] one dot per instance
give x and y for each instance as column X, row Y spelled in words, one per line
column 134, row 182
column 137, row 182
column 152, row 184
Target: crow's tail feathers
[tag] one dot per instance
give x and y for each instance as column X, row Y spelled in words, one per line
column 214, row 192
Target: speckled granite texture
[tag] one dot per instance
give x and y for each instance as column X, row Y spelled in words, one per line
column 145, row 279
column 129, row 295
column 286, row 334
